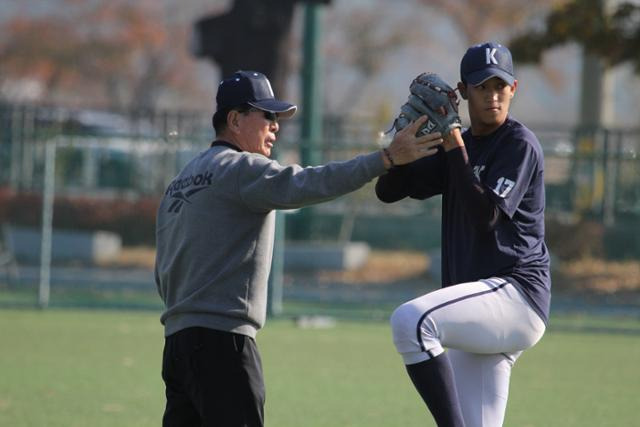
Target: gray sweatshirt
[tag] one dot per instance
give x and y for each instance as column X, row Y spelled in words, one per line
column 215, row 230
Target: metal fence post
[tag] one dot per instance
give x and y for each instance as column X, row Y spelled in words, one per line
column 311, row 121
column 47, row 223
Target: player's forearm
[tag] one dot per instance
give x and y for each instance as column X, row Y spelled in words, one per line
column 481, row 209
column 393, row 186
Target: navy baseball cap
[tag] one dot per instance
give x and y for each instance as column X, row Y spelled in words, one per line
column 253, row 88
column 486, row 60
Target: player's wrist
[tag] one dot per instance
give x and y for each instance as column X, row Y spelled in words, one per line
column 453, row 140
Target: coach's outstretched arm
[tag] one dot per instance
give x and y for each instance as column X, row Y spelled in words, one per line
column 265, row 185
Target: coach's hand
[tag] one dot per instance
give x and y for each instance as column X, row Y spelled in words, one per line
column 406, row 147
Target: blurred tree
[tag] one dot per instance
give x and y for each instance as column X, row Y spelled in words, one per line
column 483, row 20
column 611, row 33
column 480, row 20
column 366, row 50
column 373, row 34
column 593, row 25
column 118, row 53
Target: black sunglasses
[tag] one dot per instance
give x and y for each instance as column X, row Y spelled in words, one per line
column 269, row 115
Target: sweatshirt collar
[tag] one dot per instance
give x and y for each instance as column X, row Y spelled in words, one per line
column 220, row 143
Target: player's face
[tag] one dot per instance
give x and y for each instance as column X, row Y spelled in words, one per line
column 257, row 131
column 489, row 104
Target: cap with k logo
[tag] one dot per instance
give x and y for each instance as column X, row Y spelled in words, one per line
column 484, row 61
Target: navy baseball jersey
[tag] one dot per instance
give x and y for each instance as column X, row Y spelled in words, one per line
column 506, row 166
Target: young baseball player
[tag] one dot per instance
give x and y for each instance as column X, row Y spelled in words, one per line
column 214, row 237
column 459, row 343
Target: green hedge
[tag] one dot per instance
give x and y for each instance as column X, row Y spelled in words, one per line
column 133, row 220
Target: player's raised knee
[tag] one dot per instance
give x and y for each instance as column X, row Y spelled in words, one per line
column 403, row 320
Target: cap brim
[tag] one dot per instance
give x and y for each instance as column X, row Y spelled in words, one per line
column 283, row 109
column 482, row 76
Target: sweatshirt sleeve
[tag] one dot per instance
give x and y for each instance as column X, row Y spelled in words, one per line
column 265, row 185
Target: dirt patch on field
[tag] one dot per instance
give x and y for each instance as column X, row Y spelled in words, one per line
column 597, row 275
column 589, row 274
column 383, row 267
column 133, row 257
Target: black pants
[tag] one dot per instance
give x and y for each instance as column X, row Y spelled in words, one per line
column 212, row 378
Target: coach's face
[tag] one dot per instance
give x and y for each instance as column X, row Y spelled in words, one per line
column 254, row 130
column 489, row 104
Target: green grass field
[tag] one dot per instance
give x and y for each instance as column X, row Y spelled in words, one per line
column 102, row 368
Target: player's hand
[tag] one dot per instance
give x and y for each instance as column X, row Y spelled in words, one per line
column 406, row 147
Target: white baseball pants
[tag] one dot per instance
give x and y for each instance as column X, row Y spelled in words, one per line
column 485, row 326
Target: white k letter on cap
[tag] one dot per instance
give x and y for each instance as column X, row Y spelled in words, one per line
column 490, row 54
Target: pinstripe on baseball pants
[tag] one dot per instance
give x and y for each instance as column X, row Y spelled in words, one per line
column 485, row 326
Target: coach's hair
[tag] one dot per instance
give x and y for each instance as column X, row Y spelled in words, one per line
column 219, row 119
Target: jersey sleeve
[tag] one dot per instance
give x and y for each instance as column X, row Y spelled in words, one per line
column 508, row 176
column 421, row 179
column 471, row 195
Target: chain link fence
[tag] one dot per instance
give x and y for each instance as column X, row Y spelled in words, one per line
column 106, row 170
